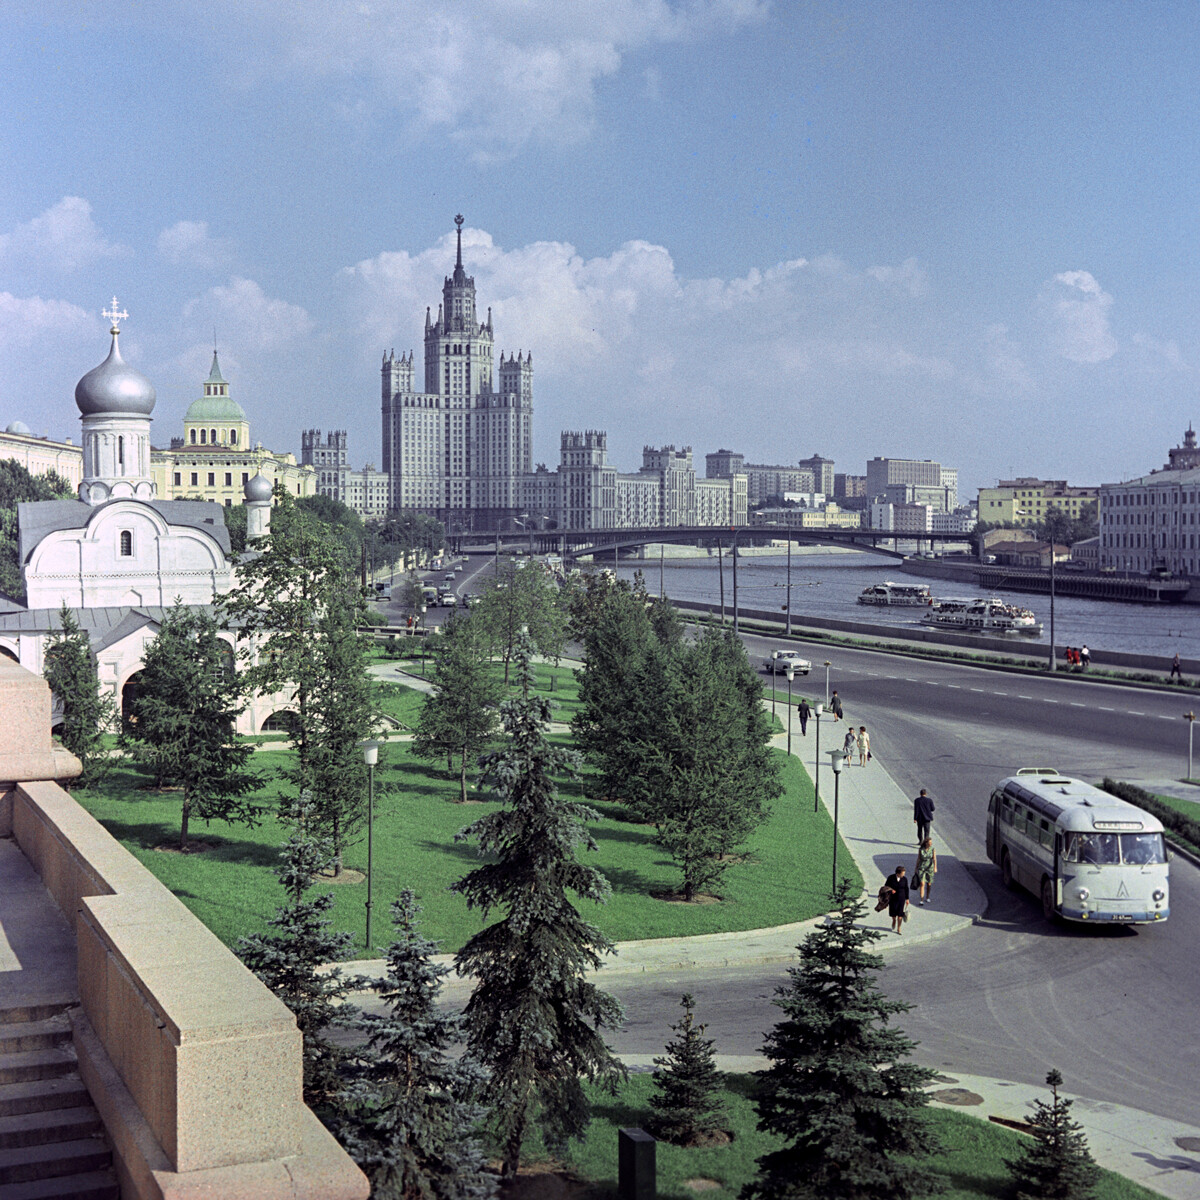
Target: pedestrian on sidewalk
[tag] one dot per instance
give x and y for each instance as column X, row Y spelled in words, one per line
column 925, row 870
column 1084, row 657
column 1176, row 671
column 835, row 702
column 848, row 744
column 898, row 904
column 803, row 712
column 864, row 745
column 923, row 807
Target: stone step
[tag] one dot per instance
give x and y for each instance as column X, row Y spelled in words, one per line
column 42, row 1094
column 28, row 1065
column 51, row 1125
column 31, row 1012
column 35, row 1035
column 21, row 1164
column 94, row 1185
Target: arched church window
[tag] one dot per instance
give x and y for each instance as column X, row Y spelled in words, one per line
column 121, row 454
column 204, row 437
column 126, row 543
column 212, row 436
column 193, row 437
column 233, row 437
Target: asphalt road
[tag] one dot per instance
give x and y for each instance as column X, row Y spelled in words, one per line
column 1114, row 1009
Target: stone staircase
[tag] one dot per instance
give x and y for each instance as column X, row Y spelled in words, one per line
column 52, row 1145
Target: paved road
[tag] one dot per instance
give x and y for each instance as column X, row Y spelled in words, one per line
column 1114, row 1009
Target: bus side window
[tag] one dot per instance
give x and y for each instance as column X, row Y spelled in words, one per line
column 1006, row 807
column 1018, row 819
column 1045, row 833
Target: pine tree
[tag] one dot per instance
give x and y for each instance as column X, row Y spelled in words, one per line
column 687, row 1102
column 409, row 1120
column 839, row 1090
column 88, row 713
column 533, row 1019
column 1057, row 1164
column 459, row 716
column 181, row 726
column 290, row 961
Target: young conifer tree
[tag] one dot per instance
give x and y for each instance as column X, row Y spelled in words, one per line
column 534, row 1019
column 687, row 1097
column 459, row 718
column 182, row 724
column 1057, row 1164
column 408, row 1120
column 839, row 1090
column 88, row 714
column 290, row 960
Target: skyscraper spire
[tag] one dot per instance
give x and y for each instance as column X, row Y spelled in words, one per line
column 458, row 222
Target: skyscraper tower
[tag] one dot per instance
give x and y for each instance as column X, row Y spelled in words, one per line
column 457, row 449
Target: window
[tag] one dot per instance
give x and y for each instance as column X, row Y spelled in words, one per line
column 212, row 436
column 245, row 478
column 203, row 438
column 233, row 437
column 177, row 478
column 126, row 543
column 229, row 479
column 212, row 479
column 195, row 479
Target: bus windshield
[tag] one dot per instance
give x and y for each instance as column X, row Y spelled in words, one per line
column 1110, row 849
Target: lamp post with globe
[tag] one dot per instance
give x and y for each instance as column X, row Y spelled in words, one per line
column 370, row 751
column 836, row 757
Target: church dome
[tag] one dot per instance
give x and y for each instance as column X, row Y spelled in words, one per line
column 215, row 408
column 114, row 387
column 18, row 427
column 258, row 488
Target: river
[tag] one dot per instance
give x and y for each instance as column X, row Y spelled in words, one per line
column 828, row 585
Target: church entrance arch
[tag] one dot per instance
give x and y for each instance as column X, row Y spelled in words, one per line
column 282, row 720
column 130, row 691
column 7, row 652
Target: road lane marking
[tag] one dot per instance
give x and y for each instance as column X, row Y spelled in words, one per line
column 956, row 686
column 1076, row 704
column 1046, row 700
column 1103, row 709
column 1020, row 697
column 1131, row 713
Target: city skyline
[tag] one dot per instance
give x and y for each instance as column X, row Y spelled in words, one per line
column 722, row 224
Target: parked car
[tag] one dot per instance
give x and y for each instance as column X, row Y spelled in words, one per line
column 779, row 661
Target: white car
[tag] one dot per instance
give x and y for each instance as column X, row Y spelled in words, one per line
column 449, row 600
column 778, row 662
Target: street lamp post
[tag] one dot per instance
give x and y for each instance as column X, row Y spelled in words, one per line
column 1190, row 718
column 791, row 674
column 818, row 712
column 835, row 757
column 788, row 618
column 721, row 578
column 734, row 553
column 827, row 665
column 370, row 751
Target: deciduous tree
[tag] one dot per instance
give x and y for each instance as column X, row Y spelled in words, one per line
column 522, row 601
column 182, row 727
column 534, row 1019
column 840, row 1091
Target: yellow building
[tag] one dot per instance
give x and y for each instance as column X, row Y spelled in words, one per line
column 214, row 459
column 1026, row 501
column 39, row 455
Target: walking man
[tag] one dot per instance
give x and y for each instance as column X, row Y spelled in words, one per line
column 1084, row 657
column 835, row 701
column 1176, row 670
column 923, row 807
column 803, row 711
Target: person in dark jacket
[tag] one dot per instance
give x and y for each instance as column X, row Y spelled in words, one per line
column 803, row 711
column 923, row 815
column 898, row 903
column 835, row 703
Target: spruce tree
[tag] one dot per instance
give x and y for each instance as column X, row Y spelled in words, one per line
column 88, row 713
column 687, row 1101
column 459, row 717
column 1056, row 1165
column 839, row 1090
column 181, row 727
column 290, row 961
column 408, row 1119
column 534, row 1019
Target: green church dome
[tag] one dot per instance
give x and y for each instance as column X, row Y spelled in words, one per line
column 215, row 404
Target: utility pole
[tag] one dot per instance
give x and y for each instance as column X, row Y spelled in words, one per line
column 788, row 618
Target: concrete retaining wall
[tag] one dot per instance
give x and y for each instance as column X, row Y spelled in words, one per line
column 194, row 1065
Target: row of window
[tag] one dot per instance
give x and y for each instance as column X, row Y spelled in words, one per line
column 211, row 438
column 177, row 479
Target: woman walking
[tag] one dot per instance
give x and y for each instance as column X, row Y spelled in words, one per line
column 925, row 870
column 864, row 745
column 898, row 904
column 848, row 744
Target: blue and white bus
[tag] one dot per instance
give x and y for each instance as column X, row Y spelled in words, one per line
column 1089, row 855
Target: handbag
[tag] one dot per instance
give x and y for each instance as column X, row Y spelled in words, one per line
column 885, row 896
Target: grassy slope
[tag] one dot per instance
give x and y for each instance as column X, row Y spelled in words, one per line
column 972, row 1159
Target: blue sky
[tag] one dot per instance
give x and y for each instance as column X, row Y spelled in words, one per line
column 962, row 231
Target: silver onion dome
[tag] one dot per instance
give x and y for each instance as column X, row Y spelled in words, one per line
column 258, row 488
column 114, row 386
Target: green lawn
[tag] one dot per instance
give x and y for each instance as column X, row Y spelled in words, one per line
column 972, row 1158
column 232, row 887
column 399, row 701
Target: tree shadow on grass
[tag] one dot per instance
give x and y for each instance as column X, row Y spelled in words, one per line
column 641, row 836
column 147, row 835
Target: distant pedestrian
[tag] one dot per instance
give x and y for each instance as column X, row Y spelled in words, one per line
column 864, row 745
column 1176, row 670
column 923, row 807
column 849, row 745
column 1084, row 657
column 925, row 869
column 835, row 702
column 898, row 902
column 803, row 712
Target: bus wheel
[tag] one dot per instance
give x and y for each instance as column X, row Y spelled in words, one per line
column 1006, row 869
column 1048, row 900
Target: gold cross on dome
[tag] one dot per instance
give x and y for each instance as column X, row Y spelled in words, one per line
column 115, row 316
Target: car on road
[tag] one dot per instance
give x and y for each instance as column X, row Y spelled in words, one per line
column 448, row 599
column 779, row 662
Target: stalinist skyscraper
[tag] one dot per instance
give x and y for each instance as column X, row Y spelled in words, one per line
column 458, row 448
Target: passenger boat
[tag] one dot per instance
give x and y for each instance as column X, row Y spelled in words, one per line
column 982, row 616
column 897, row 595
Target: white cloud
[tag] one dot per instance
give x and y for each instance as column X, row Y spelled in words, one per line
column 27, row 320
column 245, row 316
column 908, row 276
column 1167, row 351
column 188, row 243
column 64, row 237
column 1075, row 310
column 492, row 76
